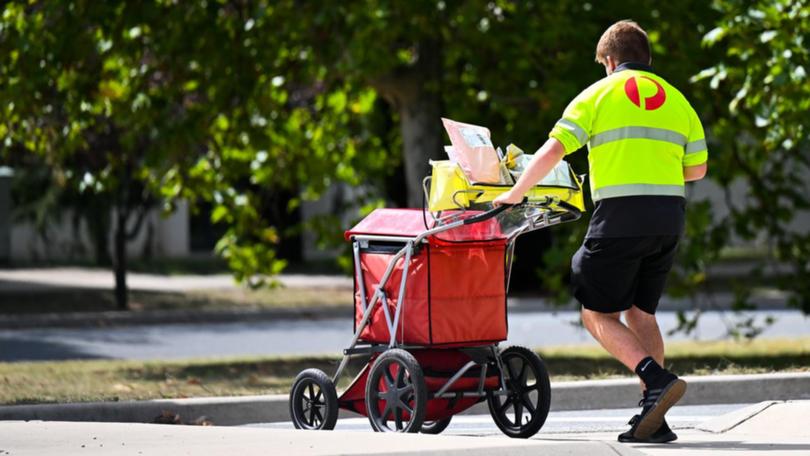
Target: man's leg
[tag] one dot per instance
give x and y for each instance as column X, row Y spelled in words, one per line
column 652, row 277
column 606, row 279
column 664, row 387
column 640, row 317
column 645, row 327
column 615, row 337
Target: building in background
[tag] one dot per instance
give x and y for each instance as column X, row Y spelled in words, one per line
column 64, row 242
column 181, row 234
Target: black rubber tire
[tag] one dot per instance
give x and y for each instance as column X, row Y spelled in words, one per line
column 435, row 427
column 410, row 395
column 533, row 394
column 313, row 401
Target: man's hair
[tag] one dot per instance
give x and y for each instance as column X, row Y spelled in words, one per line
column 624, row 41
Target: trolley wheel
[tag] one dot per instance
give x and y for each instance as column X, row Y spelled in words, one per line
column 435, row 427
column 524, row 409
column 396, row 394
column 313, row 401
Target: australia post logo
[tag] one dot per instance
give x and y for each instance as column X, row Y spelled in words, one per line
column 645, row 98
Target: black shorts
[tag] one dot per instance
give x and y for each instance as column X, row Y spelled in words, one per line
column 613, row 274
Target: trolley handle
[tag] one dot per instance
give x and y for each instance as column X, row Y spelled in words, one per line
column 571, row 212
column 491, row 213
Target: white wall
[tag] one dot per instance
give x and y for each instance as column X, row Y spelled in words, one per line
column 169, row 238
column 707, row 189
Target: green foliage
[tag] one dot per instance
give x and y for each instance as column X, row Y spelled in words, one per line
column 512, row 66
column 760, row 97
column 237, row 102
column 125, row 102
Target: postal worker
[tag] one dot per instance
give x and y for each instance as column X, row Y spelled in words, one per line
column 644, row 141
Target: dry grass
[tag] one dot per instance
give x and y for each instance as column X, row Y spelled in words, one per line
column 687, row 358
column 105, row 380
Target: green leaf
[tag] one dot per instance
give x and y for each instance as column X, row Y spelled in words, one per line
column 713, row 36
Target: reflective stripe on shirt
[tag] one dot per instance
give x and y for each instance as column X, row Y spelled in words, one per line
column 614, row 191
column 574, row 129
column 658, row 134
column 695, row 146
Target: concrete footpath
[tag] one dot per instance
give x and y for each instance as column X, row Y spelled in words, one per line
column 579, row 395
column 60, row 438
column 40, row 279
column 772, row 427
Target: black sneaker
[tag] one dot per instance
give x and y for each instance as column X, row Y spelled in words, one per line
column 663, row 435
column 657, row 401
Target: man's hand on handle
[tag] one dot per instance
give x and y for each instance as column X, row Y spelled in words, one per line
column 510, row 197
column 544, row 160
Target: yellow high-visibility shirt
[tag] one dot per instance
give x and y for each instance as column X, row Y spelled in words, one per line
column 640, row 131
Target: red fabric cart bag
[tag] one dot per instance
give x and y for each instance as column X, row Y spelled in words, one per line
column 454, row 295
column 414, row 324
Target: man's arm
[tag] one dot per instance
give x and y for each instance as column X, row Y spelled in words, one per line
column 696, row 151
column 544, row 160
column 694, row 173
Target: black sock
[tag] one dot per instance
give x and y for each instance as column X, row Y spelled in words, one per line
column 653, row 375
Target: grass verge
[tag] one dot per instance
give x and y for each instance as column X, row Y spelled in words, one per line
column 106, row 380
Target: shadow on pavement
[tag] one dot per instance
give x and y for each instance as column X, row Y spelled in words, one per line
column 22, row 298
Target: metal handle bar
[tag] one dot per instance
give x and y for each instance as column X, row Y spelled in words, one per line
column 491, row 213
column 572, row 212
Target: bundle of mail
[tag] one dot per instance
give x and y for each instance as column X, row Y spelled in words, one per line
column 481, row 162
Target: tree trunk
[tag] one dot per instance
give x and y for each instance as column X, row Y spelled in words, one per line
column 98, row 221
column 275, row 209
column 120, row 239
column 416, row 94
column 421, row 139
column 120, row 263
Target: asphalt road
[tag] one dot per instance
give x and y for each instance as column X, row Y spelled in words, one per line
column 178, row 341
column 605, row 420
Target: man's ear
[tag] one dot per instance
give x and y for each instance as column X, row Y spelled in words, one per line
column 610, row 64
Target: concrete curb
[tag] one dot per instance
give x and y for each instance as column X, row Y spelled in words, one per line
column 225, row 411
column 715, row 389
column 582, row 395
column 701, row 390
